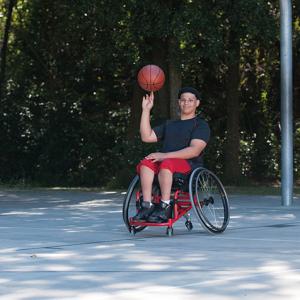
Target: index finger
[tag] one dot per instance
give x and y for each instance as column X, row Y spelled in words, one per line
column 152, row 95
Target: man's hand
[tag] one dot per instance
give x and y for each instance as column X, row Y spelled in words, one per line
column 147, row 103
column 157, row 156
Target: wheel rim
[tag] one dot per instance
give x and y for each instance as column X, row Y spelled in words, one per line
column 210, row 201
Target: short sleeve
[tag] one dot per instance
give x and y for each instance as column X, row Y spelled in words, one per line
column 160, row 131
column 201, row 131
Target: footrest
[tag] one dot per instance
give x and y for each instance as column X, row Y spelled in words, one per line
column 145, row 223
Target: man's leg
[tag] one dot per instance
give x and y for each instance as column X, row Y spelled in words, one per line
column 146, row 177
column 164, row 211
column 165, row 178
column 146, row 169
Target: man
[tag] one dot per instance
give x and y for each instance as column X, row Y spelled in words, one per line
column 183, row 143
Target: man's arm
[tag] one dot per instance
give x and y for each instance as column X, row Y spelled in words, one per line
column 147, row 133
column 194, row 150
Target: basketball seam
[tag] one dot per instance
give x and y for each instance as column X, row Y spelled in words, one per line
column 157, row 75
column 145, row 78
column 147, row 84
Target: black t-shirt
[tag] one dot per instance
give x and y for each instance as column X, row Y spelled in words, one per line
column 177, row 135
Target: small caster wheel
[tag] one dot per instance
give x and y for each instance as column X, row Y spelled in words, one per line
column 169, row 231
column 132, row 230
column 189, row 225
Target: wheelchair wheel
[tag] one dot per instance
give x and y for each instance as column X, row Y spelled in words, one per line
column 131, row 204
column 209, row 200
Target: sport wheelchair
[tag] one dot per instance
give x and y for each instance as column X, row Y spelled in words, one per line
column 201, row 190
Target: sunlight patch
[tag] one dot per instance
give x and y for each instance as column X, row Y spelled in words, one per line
column 108, row 193
column 26, row 213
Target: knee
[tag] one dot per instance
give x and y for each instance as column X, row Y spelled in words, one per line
column 165, row 174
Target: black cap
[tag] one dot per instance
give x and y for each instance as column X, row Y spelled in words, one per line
column 188, row 89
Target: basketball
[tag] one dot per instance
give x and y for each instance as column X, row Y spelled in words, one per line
column 151, row 78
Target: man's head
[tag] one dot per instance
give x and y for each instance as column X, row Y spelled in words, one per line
column 188, row 100
column 191, row 90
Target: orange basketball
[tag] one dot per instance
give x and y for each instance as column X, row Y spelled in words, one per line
column 151, row 78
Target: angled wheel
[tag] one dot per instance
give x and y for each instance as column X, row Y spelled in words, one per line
column 209, row 200
column 131, row 204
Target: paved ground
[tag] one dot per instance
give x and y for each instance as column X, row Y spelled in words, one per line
column 73, row 245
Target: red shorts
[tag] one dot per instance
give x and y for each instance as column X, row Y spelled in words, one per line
column 175, row 165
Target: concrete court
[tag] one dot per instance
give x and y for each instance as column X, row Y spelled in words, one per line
column 59, row 244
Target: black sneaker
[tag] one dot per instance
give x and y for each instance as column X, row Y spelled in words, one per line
column 162, row 213
column 144, row 212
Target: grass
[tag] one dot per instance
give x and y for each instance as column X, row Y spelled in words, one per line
column 258, row 190
column 232, row 190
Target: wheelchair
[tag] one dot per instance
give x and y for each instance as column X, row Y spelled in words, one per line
column 201, row 191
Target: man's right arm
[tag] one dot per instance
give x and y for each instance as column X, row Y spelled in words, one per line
column 147, row 133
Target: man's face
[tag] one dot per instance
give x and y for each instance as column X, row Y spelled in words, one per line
column 188, row 103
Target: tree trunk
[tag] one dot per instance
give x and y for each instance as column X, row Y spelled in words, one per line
column 232, row 168
column 10, row 6
column 260, row 124
column 174, row 80
column 162, row 97
column 135, row 112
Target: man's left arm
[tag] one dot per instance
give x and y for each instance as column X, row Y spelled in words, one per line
column 193, row 150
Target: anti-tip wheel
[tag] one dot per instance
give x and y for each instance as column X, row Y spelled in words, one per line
column 132, row 230
column 169, row 231
column 189, row 225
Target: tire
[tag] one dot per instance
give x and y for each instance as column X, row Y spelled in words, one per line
column 209, row 200
column 131, row 204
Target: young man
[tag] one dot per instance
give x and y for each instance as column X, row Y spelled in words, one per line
column 183, row 143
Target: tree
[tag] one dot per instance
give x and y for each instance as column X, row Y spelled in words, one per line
column 10, row 5
column 71, row 98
